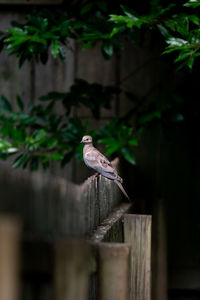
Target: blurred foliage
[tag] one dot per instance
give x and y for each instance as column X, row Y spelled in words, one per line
column 181, row 30
column 120, row 138
column 45, row 32
column 36, row 134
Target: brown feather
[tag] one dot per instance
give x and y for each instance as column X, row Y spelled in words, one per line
column 122, row 189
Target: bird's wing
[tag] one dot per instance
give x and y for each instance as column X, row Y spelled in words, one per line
column 96, row 160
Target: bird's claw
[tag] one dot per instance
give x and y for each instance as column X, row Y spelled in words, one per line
column 96, row 175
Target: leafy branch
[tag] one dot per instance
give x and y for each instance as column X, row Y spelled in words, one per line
column 36, row 135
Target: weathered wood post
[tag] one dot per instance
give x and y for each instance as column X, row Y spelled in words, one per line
column 113, row 271
column 71, row 276
column 10, row 230
column 137, row 232
column 159, row 252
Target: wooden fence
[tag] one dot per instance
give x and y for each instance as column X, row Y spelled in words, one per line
column 71, row 242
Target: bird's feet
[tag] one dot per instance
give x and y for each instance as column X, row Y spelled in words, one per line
column 96, row 175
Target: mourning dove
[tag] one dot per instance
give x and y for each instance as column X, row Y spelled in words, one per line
column 97, row 161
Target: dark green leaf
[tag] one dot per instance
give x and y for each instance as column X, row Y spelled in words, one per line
column 87, row 7
column 56, row 156
column 55, row 48
column 34, row 163
column 6, row 104
column 192, row 3
column 45, row 165
column 108, row 49
column 128, row 155
column 133, row 142
column 20, row 103
column 21, row 160
column 4, row 144
column 67, row 158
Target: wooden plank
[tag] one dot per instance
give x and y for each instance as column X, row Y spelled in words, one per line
column 111, row 228
column 10, row 230
column 113, row 271
column 159, row 252
column 137, row 232
column 71, row 277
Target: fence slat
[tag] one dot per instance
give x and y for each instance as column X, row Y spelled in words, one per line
column 72, row 270
column 10, row 229
column 113, row 271
column 137, row 232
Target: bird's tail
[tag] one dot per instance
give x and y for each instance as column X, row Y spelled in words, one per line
column 122, row 189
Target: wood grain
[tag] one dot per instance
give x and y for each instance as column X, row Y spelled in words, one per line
column 113, row 271
column 71, row 270
column 52, row 207
column 10, row 230
column 137, row 232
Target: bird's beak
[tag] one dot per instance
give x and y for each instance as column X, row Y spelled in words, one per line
column 81, row 141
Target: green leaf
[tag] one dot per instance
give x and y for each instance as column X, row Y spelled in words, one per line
column 112, row 149
column 108, row 141
column 182, row 56
column 128, row 12
column 150, row 117
column 53, row 96
column 20, row 103
column 195, row 19
column 4, row 144
column 163, row 30
column 52, row 143
column 108, row 49
column 190, row 62
column 67, row 158
column 26, row 119
column 21, row 160
column 176, row 117
column 133, row 142
column 62, row 52
column 86, row 8
column 174, row 41
column 6, row 104
column 56, row 156
column 40, row 135
column 102, row 5
column 115, row 31
column 45, row 165
column 6, row 148
column 128, row 155
column 192, row 3
column 55, row 49
column 34, row 163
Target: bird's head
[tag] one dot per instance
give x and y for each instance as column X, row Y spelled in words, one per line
column 86, row 139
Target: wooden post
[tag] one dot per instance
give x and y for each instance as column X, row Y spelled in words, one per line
column 10, row 229
column 159, row 252
column 71, row 275
column 137, row 232
column 113, row 271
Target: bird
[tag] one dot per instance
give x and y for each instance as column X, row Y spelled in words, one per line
column 94, row 159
